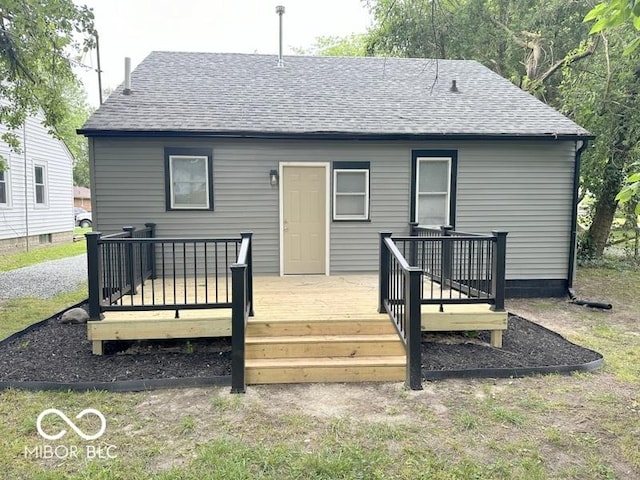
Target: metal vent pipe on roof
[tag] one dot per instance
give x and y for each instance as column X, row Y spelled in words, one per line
column 280, row 12
column 127, row 76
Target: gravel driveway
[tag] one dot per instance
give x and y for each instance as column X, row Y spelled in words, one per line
column 44, row 280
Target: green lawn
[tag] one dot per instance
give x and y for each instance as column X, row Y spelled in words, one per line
column 584, row 426
column 43, row 254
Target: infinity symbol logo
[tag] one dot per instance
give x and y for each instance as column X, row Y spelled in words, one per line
column 62, row 433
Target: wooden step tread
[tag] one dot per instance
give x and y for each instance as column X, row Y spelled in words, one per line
column 298, row 317
column 381, row 361
column 292, row 327
column 322, row 339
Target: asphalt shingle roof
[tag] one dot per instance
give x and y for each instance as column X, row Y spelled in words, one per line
column 229, row 94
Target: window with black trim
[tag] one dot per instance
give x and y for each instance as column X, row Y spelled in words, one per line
column 4, row 188
column 351, row 191
column 188, row 178
column 433, row 187
column 40, row 184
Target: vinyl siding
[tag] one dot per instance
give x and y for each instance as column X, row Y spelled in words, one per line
column 524, row 188
column 40, row 149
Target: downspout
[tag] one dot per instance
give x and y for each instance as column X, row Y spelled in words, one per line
column 574, row 214
column 574, row 235
column 26, row 185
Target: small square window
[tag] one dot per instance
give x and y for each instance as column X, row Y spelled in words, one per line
column 351, row 192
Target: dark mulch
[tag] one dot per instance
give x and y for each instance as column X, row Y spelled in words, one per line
column 53, row 352
column 524, row 344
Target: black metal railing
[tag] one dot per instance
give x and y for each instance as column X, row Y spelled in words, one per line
column 446, row 269
column 399, row 296
column 459, row 267
column 241, row 310
column 116, row 266
column 133, row 270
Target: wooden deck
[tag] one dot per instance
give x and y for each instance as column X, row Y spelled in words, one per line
column 305, row 328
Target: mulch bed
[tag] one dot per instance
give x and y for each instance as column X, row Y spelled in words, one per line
column 55, row 352
column 525, row 344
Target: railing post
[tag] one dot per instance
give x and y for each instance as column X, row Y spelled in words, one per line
column 413, row 246
column 152, row 250
column 447, row 256
column 249, row 235
column 238, row 310
column 414, row 330
column 498, row 270
column 131, row 268
column 383, row 272
column 94, row 274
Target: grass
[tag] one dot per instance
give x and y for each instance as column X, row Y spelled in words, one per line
column 43, row 254
column 583, row 426
column 19, row 313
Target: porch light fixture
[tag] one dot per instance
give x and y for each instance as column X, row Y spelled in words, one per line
column 273, row 178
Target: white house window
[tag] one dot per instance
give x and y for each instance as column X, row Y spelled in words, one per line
column 4, row 188
column 351, row 192
column 433, row 191
column 40, row 184
column 189, row 184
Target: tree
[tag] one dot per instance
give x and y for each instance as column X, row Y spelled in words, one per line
column 78, row 112
column 608, row 16
column 526, row 42
column 602, row 95
column 354, row 45
column 38, row 41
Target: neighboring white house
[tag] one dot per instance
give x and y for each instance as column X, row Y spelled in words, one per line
column 36, row 190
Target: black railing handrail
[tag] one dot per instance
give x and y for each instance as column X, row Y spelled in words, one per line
column 444, row 230
column 402, row 291
column 395, row 251
column 241, row 310
column 110, row 238
column 449, row 238
column 407, row 321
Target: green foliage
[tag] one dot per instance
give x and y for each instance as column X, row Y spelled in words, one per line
column 354, row 45
column 631, row 189
column 615, row 13
column 78, row 113
column 526, row 42
column 38, row 41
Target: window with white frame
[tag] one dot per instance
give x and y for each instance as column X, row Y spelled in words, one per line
column 4, row 188
column 351, row 191
column 189, row 179
column 432, row 190
column 40, row 184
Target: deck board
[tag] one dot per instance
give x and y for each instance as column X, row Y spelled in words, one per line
column 295, row 298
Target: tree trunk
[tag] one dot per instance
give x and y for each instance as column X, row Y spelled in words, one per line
column 605, row 208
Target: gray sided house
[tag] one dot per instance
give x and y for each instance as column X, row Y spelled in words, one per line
column 36, row 190
column 319, row 155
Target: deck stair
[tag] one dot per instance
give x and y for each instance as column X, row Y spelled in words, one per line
column 291, row 350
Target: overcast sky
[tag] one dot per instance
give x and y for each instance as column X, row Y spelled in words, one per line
column 134, row 28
